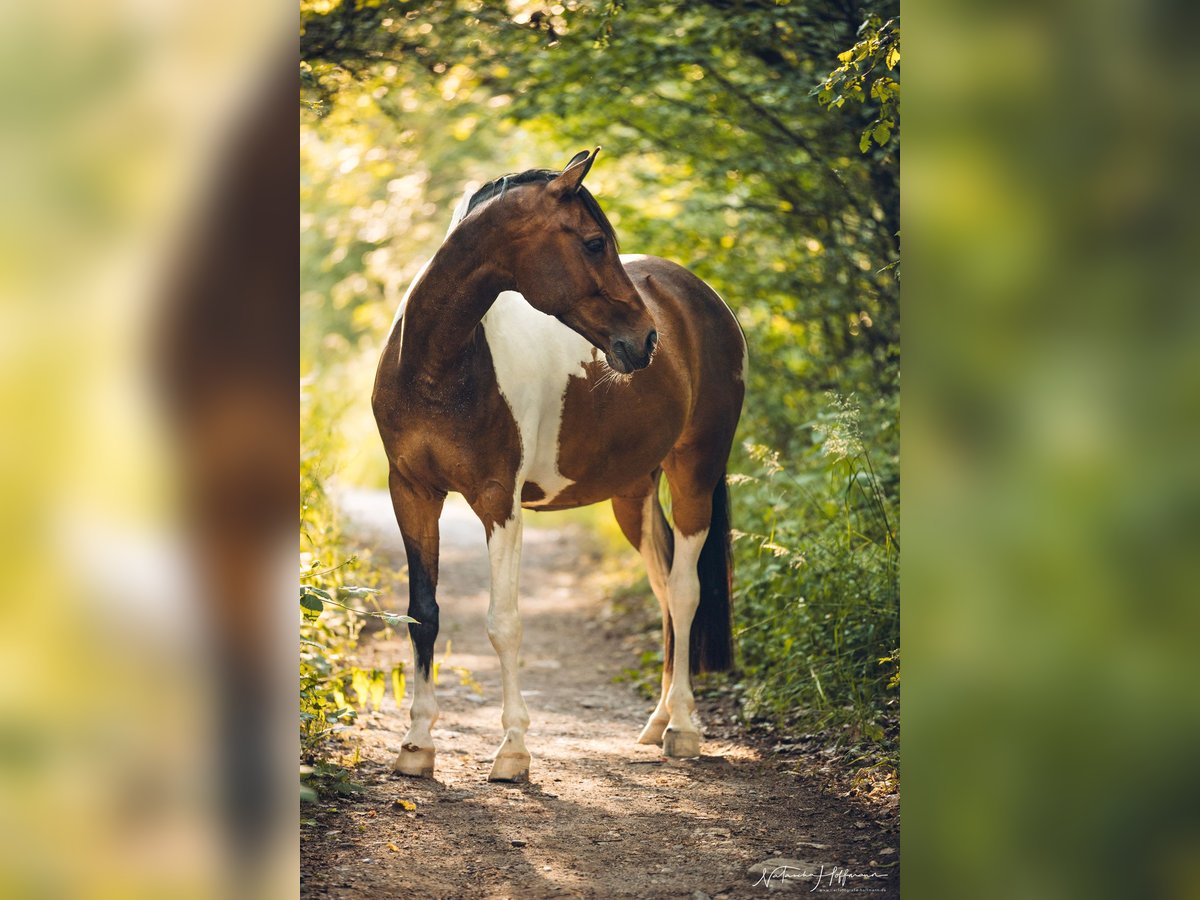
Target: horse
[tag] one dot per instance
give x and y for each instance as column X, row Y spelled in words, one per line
column 530, row 366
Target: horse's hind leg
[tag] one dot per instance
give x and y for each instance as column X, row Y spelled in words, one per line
column 417, row 513
column 693, row 476
column 645, row 526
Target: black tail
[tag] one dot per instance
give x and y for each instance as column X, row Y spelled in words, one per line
column 711, row 648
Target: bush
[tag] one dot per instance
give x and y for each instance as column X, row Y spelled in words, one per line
column 334, row 689
column 817, row 612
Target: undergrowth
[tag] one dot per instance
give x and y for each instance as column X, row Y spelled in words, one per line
column 817, row 617
column 335, row 586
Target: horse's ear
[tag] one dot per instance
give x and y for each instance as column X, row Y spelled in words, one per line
column 581, row 155
column 572, row 176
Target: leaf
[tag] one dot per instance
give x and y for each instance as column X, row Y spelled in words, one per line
column 358, row 591
column 312, row 603
column 893, row 57
column 313, row 599
column 865, row 142
column 883, row 133
column 361, row 682
column 394, row 619
column 406, row 804
column 392, row 846
column 398, row 684
column 378, row 686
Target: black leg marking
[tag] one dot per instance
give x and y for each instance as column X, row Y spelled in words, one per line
column 422, row 606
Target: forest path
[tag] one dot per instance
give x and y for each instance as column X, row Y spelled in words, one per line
column 602, row 815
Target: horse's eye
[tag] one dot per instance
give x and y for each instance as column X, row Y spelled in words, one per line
column 595, row 245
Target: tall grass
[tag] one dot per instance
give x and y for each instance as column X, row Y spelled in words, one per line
column 817, row 615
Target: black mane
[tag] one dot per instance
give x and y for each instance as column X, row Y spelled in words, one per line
column 540, row 176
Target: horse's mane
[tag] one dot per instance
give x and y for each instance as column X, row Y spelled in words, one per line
column 497, row 188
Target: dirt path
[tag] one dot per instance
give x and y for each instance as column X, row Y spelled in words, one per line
column 602, row 816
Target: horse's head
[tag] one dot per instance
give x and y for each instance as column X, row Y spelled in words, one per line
column 565, row 262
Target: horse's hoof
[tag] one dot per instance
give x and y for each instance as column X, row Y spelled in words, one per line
column 652, row 733
column 681, row 744
column 414, row 761
column 512, row 767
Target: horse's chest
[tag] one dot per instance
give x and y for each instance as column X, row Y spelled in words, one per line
column 534, row 357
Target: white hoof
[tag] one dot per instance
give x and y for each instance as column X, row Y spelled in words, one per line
column 414, row 761
column 510, row 767
column 681, row 744
column 652, row 733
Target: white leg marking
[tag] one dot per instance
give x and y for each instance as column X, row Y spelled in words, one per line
column 504, row 630
column 416, row 750
column 682, row 738
column 657, row 574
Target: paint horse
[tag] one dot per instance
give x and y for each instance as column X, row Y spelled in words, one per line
column 530, row 366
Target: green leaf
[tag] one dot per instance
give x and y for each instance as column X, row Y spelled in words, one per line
column 893, row 57
column 883, row 133
column 311, row 602
column 377, row 688
column 395, row 619
column 865, row 141
column 398, row 684
column 358, row 591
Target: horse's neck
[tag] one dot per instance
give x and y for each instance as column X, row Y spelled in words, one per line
column 447, row 303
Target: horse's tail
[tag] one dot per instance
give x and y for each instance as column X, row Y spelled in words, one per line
column 711, row 648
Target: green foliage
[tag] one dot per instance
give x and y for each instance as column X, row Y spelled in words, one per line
column 818, row 581
column 334, row 690
column 876, row 54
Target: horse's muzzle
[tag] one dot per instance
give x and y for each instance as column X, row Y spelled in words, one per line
column 626, row 356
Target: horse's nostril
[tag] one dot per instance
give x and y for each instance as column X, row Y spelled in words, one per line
column 651, row 341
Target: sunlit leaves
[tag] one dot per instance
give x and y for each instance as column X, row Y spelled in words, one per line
column 878, row 47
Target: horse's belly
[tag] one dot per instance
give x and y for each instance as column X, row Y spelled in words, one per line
column 606, row 443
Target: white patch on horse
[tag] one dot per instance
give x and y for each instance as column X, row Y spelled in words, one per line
column 534, row 356
column 627, row 258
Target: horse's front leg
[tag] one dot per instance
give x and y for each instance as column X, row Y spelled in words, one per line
column 504, row 630
column 417, row 513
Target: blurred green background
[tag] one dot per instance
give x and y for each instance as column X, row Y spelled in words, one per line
column 1052, row 411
